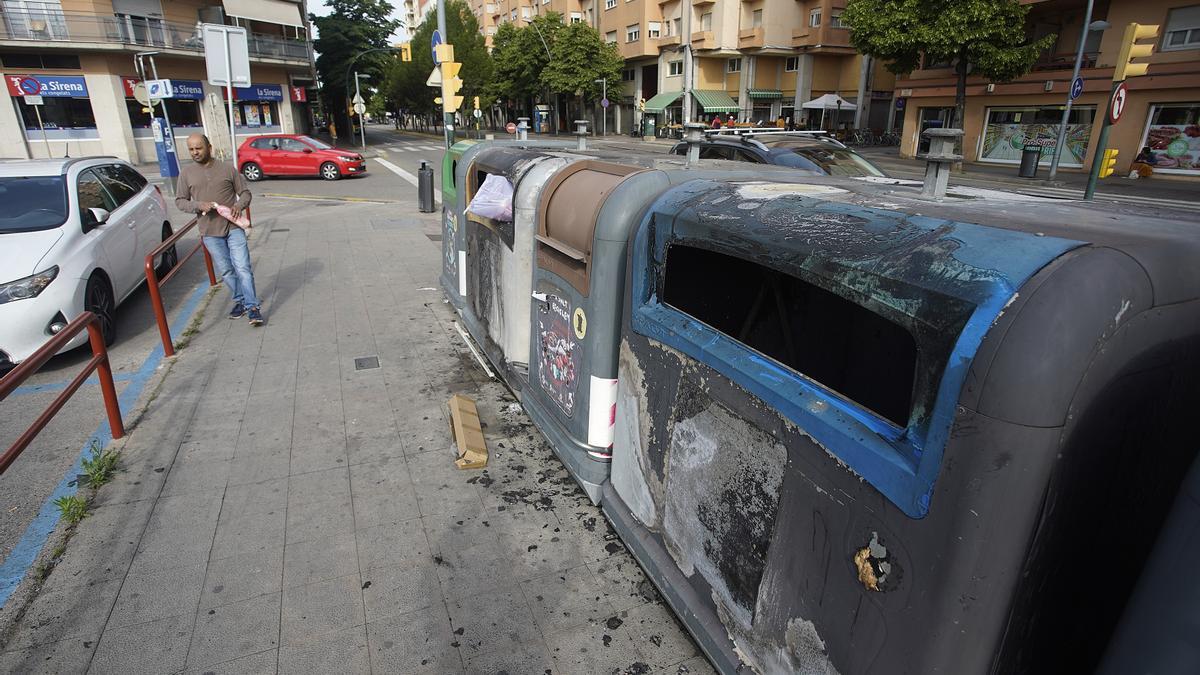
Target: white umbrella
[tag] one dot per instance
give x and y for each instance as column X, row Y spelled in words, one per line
column 829, row 101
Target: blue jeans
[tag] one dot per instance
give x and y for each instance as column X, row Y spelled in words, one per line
column 231, row 256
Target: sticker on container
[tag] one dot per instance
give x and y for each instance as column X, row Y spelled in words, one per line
column 579, row 323
column 602, row 416
column 557, row 358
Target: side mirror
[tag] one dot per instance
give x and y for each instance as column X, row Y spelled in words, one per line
column 308, row 151
column 95, row 216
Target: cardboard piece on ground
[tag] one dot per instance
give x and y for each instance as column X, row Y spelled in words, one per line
column 468, row 433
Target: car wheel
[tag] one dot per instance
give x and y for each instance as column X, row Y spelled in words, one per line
column 169, row 258
column 98, row 299
column 329, row 171
column 252, row 171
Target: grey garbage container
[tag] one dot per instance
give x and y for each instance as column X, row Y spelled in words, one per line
column 1030, row 157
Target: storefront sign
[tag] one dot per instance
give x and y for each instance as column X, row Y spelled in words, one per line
column 128, row 83
column 46, row 85
column 299, row 95
column 258, row 92
column 1173, row 136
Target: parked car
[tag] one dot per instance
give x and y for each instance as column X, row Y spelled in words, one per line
column 295, row 155
column 74, row 235
column 814, row 152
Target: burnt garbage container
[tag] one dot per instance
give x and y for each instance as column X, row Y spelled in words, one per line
column 848, row 436
column 1030, row 157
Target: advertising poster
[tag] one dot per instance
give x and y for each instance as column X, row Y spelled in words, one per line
column 266, row 115
column 557, row 358
column 1005, row 142
column 252, row 119
column 1173, row 136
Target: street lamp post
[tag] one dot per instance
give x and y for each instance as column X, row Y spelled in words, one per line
column 603, row 109
column 1088, row 27
column 553, row 104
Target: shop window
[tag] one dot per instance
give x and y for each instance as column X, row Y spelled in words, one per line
column 1173, row 136
column 1009, row 130
column 1183, row 29
column 182, row 113
column 792, row 64
column 734, row 65
column 58, row 113
column 254, row 114
column 674, row 68
column 814, row 332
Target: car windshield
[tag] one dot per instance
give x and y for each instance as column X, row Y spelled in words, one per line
column 830, row 160
column 315, row 143
column 33, row 203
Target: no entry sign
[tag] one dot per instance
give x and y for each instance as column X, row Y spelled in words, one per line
column 1118, row 103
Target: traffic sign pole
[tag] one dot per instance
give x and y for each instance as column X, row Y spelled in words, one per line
column 1071, row 95
column 1101, row 142
column 447, row 117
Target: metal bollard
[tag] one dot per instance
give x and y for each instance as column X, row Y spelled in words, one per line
column 581, row 134
column 938, row 161
column 425, row 188
column 693, row 135
column 522, row 128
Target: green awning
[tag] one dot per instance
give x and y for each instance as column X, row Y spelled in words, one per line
column 659, row 102
column 714, row 101
column 766, row 93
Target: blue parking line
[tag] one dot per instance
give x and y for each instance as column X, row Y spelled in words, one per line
column 19, row 562
column 59, row 386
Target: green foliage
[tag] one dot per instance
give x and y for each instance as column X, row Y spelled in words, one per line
column 985, row 37
column 99, row 466
column 580, row 57
column 404, row 82
column 72, row 508
column 521, row 57
column 352, row 27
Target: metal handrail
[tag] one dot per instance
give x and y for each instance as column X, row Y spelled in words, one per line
column 153, row 283
column 51, row 24
column 98, row 363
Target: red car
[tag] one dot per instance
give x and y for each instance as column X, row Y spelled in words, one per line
column 293, row 155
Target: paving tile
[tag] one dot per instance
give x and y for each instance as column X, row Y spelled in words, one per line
column 465, row 572
column 697, row 665
column 467, row 526
column 319, row 519
column 67, row 656
column 566, row 599
column 324, row 607
column 536, row 545
column 65, row 609
column 156, row 594
column 320, row 559
column 155, row 647
column 180, row 530
column 491, row 621
column 343, row 652
column 625, row 585
column 399, row 589
column 392, row 543
column 317, row 486
column 234, row 631
column 417, row 642
column 254, row 664
column 250, row 498
column 248, row 533
column 241, row 577
column 197, row 472
column 531, row 657
column 658, row 636
column 253, row 465
column 595, row 648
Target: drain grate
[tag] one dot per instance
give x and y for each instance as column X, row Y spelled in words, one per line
column 366, row 362
column 434, row 237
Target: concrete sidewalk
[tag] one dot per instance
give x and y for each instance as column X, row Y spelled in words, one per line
column 281, row 510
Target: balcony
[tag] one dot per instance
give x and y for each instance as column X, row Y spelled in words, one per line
column 667, row 40
column 51, row 26
column 703, row 40
column 751, row 37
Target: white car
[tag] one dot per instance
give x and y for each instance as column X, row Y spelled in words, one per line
column 74, row 235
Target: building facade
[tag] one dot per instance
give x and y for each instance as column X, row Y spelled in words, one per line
column 79, row 56
column 758, row 60
column 1162, row 109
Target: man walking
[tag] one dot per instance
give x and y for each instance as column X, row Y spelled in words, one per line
column 203, row 185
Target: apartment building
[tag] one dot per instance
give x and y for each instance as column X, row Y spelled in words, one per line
column 757, row 60
column 1162, row 110
column 80, row 56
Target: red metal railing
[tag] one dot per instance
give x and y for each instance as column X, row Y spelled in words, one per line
column 154, row 283
column 98, row 363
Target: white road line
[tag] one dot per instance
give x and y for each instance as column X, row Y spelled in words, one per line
column 437, row 194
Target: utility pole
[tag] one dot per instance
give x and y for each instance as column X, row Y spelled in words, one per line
column 1062, row 127
column 1103, row 162
column 604, row 104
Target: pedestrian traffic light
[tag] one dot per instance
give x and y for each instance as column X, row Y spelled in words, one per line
column 451, row 83
column 1108, row 165
column 1131, row 49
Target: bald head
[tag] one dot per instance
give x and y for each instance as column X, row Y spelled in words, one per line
column 199, row 148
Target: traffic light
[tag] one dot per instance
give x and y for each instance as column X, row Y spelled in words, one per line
column 477, row 103
column 405, row 50
column 1131, row 49
column 1108, row 165
column 451, row 83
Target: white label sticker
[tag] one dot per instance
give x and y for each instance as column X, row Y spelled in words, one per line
column 602, row 412
column 462, row 273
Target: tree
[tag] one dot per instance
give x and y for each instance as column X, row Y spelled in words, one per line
column 580, row 57
column 520, row 57
column 405, row 81
column 980, row 37
column 351, row 27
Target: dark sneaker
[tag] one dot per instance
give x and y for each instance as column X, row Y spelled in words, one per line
column 238, row 311
column 256, row 318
